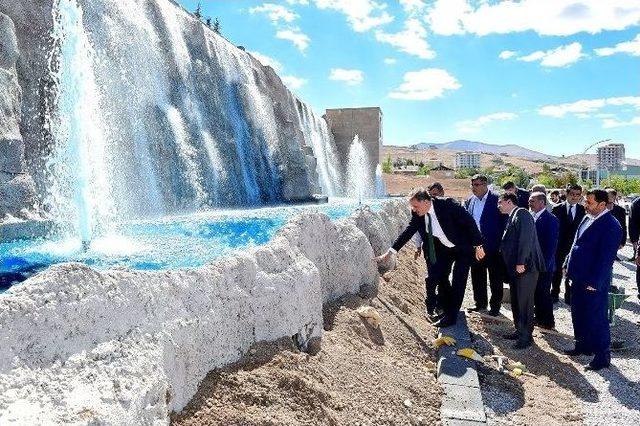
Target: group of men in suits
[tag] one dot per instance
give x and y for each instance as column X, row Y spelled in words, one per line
column 525, row 245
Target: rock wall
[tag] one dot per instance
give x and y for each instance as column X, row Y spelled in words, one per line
column 17, row 189
column 127, row 347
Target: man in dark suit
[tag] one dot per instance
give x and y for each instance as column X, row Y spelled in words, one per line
column 618, row 212
column 450, row 240
column 634, row 236
column 547, row 226
column 522, row 194
column 589, row 267
column 483, row 207
column 523, row 263
column 570, row 214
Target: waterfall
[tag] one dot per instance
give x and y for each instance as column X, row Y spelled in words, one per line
column 316, row 135
column 77, row 168
column 155, row 114
column 360, row 184
column 381, row 188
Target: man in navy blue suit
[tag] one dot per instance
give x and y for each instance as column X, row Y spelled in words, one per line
column 450, row 241
column 522, row 194
column 483, row 207
column 589, row 266
column 634, row 236
column 547, row 227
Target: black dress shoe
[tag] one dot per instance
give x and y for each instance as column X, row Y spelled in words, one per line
column 595, row 367
column 475, row 309
column 494, row 312
column 445, row 321
column 511, row 336
column 546, row 326
column 522, row 344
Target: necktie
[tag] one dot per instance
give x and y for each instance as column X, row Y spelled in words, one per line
column 431, row 248
column 573, row 217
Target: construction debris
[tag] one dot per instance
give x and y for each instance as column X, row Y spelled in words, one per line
column 444, row 340
column 470, row 353
column 370, row 315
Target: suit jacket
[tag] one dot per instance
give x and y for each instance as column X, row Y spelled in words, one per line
column 568, row 227
column 621, row 214
column 523, row 197
column 547, row 228
column 456, row 223
column 492, row 222
column 634, row 221
column 591, row 258
column 520, row 244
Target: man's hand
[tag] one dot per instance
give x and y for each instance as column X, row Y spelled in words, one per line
column 383, row 257
column 479, row 253
column 520, row 269
column 621, row 247
column 590, row 288
column 417, row 253
column 638, row 260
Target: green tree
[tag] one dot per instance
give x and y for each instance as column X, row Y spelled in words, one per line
column 198, row 12
column 423, row 170
column 387, row 165
column 216, row 26
column 465, row 173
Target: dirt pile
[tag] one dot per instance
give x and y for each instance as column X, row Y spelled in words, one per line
column 361, row 374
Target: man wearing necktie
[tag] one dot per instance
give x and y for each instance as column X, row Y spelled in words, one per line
column 589, row 266
column 569, row 214
column 523, row 261
column 451, row 239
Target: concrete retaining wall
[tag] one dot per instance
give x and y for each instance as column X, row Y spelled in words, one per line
column 128, row 347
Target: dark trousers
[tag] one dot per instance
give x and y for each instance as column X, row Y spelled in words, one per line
column 450, row 293
column 523, row 287
column 590, row 322
column 557, row 278
column 432, row 294
column 492, row 264
column 543, row 302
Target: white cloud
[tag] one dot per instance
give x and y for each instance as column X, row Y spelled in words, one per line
column 293, row 82
column 558, row 57
column 425, row 84
column 411, row 40
column 445, row 17
column 267, row 60
column 413, row 6
column 297, row 37
column 303, row 2
column 472, row 126
column 506, row 54
column 275, row 12
column 545, row 17
column 362, row 15
column 589, row 108
column 390, row 61
column 350, row 77
column 609, row 123
column 631, row 47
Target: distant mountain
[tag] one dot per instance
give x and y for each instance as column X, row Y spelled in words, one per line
column 464, row 145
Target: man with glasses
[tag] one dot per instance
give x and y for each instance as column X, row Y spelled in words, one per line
column 483, row 207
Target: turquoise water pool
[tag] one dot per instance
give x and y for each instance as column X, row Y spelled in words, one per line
column 166, row 243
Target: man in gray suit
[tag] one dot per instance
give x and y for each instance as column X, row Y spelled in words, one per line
column 523, row 262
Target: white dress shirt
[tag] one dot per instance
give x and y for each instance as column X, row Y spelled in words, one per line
column 587, row 222
column 536, row 216
column 436, row 228
column 476, row 207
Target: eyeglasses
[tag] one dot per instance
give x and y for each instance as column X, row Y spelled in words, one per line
column 478, row 184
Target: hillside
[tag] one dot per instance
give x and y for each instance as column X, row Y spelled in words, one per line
column 465, row 145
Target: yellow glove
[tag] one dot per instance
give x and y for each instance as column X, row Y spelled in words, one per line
column 444, row 340
column 470, row 353
column 517, row 365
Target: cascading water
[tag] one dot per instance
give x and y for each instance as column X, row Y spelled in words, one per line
column 359, row 183
column 77, row 167
column 381, row 188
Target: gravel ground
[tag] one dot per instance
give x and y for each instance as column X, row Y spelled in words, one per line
column 561, row 391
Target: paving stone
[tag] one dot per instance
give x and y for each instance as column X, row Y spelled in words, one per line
column 458, row 422
column 462, row 403
column 456, row 370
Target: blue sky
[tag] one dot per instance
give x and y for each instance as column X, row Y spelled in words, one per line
column 550, row 75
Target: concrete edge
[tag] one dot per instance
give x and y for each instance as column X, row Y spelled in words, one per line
column 462, row 399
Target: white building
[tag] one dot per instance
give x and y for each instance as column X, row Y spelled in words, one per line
column 467, row 160
column 611, row 157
